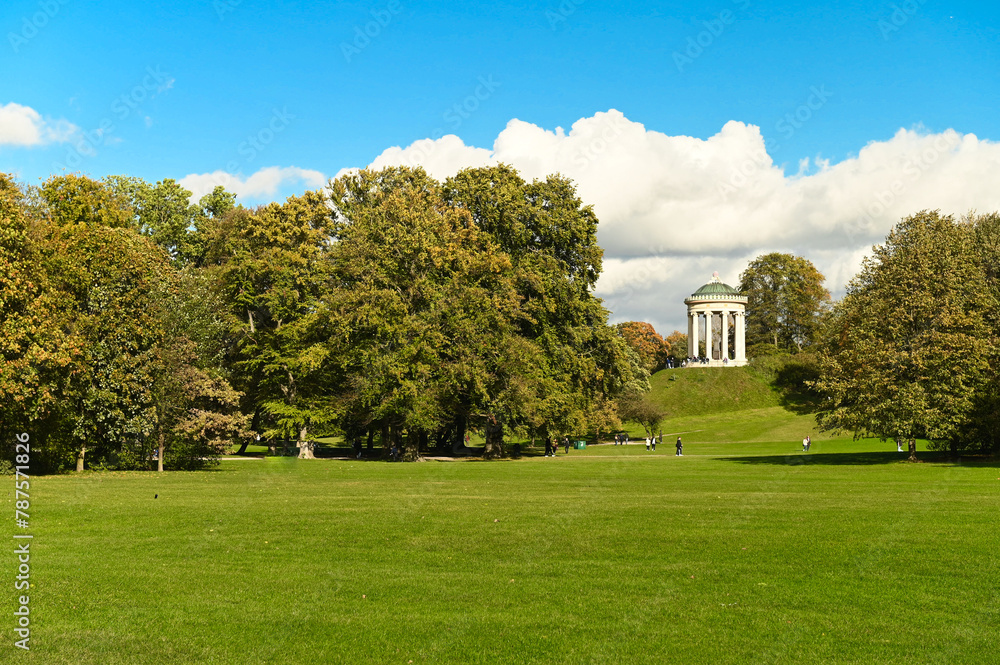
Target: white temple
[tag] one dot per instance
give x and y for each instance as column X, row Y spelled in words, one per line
column 717, row 325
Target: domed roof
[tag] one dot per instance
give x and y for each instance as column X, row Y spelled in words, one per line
column 716, row 289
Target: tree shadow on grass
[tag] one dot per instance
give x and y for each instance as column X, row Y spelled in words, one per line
column 861, row 459
column 799, row 403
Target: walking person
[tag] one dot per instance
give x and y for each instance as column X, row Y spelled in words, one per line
column 566, row 443
column 805, row 445
column 647, row 444
column 680, row 448
column 809, row 442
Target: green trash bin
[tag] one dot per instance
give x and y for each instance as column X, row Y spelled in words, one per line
column 579, row 445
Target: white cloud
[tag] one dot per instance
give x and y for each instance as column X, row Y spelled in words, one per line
column 264, row 184
column 437, row 157
column 23, row 126
column 675, row 208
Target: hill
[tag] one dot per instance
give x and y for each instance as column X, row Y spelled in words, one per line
column 711, row 390
column 731, row 404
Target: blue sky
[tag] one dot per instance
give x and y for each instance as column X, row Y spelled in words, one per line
column 188, row 88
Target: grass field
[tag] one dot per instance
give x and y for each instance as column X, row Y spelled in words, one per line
column 734, row 553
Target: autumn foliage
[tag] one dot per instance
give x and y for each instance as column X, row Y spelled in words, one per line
column 652, row 349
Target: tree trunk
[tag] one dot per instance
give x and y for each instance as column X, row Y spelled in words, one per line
column 371, row 438
column 408, row 445
column 441, row 439
column 458, row 445
column 159, row 454
column 494, row 438
column 79, row 457
column 254, row 424
column 305, row 446
column 913, row 450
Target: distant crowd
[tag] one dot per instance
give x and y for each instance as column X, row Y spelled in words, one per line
column 696, row 360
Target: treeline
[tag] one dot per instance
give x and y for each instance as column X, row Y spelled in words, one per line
column 912, row 350
column 387, row 307
column 653, row 350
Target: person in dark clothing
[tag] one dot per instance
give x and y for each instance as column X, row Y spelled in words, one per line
column 680, row 448
column 548, row 446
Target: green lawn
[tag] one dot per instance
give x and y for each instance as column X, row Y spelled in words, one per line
column 711, row 390
column 735, row 553
column 715, row 404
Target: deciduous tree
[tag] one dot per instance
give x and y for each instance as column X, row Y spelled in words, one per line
column 786, row 298
column 274, row 267
column 551, row 238
column 652, row 349
column 104, row 277
column 34, row 350
column 677, row 343
column 911, row 346
column 424, row 314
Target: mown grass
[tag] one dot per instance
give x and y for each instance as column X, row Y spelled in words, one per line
column 732, row 404
column 693, row 391
column 737, row 552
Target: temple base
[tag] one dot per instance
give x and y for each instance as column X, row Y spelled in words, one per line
column 719, row 363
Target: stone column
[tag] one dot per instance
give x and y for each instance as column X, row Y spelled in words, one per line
column 693, row 340
column 708, row 334
column 724, row 347
column 690, row 328
column 741, row 332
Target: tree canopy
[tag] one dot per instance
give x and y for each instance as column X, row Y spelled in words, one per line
column 98, row 358
column 388, row 304
column 652, row 349
column 912, row 346
column 785, row 300
column 141, row 330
